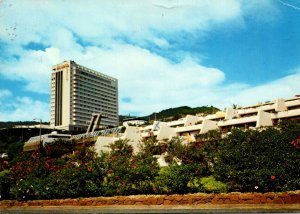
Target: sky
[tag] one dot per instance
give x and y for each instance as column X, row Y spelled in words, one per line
column 164, row 53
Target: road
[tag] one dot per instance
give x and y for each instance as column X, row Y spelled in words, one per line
column 291, row 208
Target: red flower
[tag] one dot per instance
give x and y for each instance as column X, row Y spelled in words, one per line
column 273, row 177
column 90, row 169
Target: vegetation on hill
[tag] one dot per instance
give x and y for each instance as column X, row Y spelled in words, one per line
column 176, row 113
column 11, row 124
column 253, row 160
column 12, row 139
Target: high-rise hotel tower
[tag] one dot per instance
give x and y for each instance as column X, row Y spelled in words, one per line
column 77, row 92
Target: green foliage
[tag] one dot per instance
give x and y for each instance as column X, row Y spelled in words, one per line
column 3, row 164
column 174, row 179
column 58, row 148
column 249, row 158
column 211, row 185
column 14, row 149
column 151, row 147
column 117, row 168
column 174, row 150
column 16, row 136
column 201, row 153
column 196, row 160
column 5, row 184
column 11, row 124
column 61, row 169
column 127, row 173
column 207, row 184
column 178, row 112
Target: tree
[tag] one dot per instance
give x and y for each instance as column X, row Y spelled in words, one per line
column 260, row 160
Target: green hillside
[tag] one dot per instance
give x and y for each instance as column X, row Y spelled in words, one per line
column 175, row 113
column 12, row 139
column 11, row 124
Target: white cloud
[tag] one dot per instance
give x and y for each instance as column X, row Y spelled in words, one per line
column 153, row 82
column 34, row 67
column 5, row 93
column 102, row 21
column 281, row 88
column 24, row 109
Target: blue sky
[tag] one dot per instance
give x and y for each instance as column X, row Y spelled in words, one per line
column 165, row 53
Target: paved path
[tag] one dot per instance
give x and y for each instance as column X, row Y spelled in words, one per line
column 208, row 208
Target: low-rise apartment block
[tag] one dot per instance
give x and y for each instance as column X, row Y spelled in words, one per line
column 256, row 116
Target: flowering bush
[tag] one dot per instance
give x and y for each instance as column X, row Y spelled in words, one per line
column 260, row 160
column 251, row 160
column 59, row 170
column 3, row 164
column 128, row 173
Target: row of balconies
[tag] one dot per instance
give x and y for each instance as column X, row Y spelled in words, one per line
column 95, row 73
column 94, row 92
column 261, row 119
column 102, row 94
column 85, row 110
column 93, row 101
column 80, row 82
column 95, row 82
column 272, row 106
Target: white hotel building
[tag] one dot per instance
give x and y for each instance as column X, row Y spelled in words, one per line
column 77, row 92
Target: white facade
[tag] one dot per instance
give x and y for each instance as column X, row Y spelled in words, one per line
column 77, row 92
column 256, row 116
column 134, row 122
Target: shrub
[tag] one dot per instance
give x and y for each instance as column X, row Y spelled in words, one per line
column 58, row 148
column 260, row 160
column 127, row 173
column 5, row 183
column 174, row 150
column 174, row 179
column 4, row 164
column 50, row 173
column 210, row 184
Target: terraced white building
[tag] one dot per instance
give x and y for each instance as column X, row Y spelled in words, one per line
column 255, row 116
column 77, row 92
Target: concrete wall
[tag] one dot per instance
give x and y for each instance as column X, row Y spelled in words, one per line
column 166, row 132
column 102, row 143
column 134, row 136
column 263, row 119
column 208, row 125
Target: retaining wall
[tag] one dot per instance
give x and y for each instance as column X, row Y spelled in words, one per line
column 190, row 199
